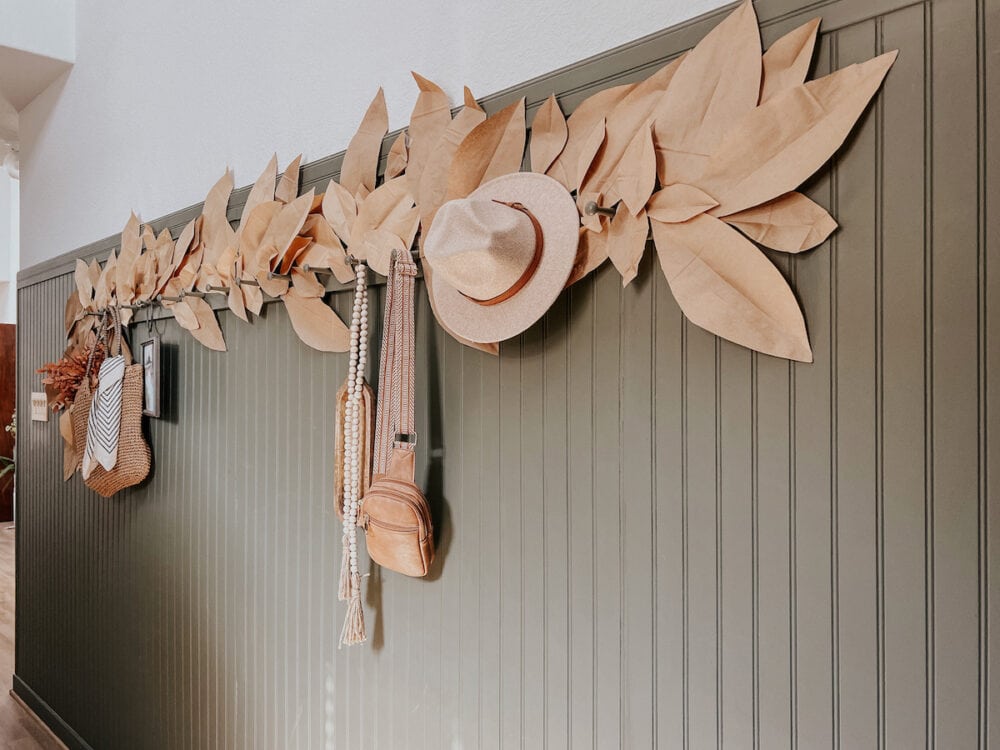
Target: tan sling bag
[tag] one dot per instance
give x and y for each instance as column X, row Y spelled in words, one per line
column 394, row 512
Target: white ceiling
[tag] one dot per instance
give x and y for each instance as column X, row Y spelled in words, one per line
column 24, row 75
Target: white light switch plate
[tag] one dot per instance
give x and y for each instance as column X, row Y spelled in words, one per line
column 39, row 407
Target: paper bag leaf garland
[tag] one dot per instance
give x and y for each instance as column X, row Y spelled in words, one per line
column 288, row 185
column 725, row 285
column 360, row 164
column 208, row 331
column 778, row 145
column 786, row 62
column 791, row 223
column 493, row 148
column 127, row 257
column 315, row 323
column 548, row 135
column 84, row 286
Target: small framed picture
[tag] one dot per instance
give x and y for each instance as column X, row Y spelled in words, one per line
column 151, row 377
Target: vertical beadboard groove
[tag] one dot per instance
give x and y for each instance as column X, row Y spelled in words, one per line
column 649, row 537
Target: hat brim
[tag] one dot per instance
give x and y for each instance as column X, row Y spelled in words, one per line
column 556, row 213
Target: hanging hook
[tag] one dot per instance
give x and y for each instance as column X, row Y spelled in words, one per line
column 592, row 208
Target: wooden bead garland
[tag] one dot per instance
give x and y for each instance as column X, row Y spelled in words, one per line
column 350, row 575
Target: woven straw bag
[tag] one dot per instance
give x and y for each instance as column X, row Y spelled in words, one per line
column 134, row 456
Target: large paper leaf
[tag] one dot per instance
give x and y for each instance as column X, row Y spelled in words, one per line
column 361, row 160
column 579, row 127
column 316, row 323
column 679, row 202
column 714, row 86
column 724, row 284
column 548, row 135
column 184, row 315
column 591, row 252
column 786, row 62
column 164, row 251
column 84, row 286
column 181, row 248
column 780, row 144
column 235, row 298
column 588, row 150
column 627, row 243
column 285, row 226
column 791, row 223
column 104, row 289
column 72, row 312
column 493, row 148
column 625, row 155
column 434, row 182
column 252, row 233
column 288, row 185
column 261, row 192
column 340, row 209
column 395, row 163
column 208, row 331
column 431, row 115
column 127, row 256
column 216, row 233
column 326, row 250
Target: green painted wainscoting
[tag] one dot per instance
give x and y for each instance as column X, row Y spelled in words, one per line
column 651, row 537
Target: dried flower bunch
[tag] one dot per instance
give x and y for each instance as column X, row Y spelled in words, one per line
column 63, row 378
column 707, row 152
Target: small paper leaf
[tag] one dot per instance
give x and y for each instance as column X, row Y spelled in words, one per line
column 72, row 312
column 360, row 164
column 431, row 115
column 216, row 232
column 548, row 135
column 128, row 255
column 340, row 209
column 307, row 284
column 285, row 226
column 182, row 245
column 434, row 182
column 493, row 148
column 389, row 208
column 627, row 243
column 777, row 146
column 590, row 254
column 104, row 288
column 261, row 192
column 288, row 185
column 791, row 223
column 252, row 233
column 185, row 315
column 396, row 161
column 635, row 176
column 679, row 202
column 84, row 286
column 786, row 62
column 235, row 300
column 724, row 284
column 316, row 323
column 715, row 85
column 588, row 150
column 579, row 127
column 274, row 287
column 208, row 331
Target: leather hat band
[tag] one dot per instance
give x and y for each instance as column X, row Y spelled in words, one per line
column 528, row 272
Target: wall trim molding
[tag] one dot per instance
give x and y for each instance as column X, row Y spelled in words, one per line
column 42, row 711
column 571, row 84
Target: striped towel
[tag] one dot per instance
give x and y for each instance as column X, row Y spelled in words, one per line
column 105, row 417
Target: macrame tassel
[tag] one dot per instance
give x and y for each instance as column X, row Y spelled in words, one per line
column 344, row 590
column 354, row 623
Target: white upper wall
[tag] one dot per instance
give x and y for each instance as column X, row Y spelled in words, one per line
column 163, row 97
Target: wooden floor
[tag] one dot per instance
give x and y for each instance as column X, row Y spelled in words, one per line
column 18, row 729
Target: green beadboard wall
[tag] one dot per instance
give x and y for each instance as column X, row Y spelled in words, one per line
column 651, row 538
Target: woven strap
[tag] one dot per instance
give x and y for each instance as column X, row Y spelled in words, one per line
column 394, row 424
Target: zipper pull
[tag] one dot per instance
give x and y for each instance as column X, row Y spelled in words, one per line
column 363, row 521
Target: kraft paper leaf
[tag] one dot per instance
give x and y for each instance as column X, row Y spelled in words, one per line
column 389, row 208
column 777, row 146
column 375, row 248
column 724, row 284
column 786, row 62
column 72, row 312
column 326, row 251
column 591, row 252
column 286, row 224
column 208, row 331
column 216, row 233
column 588, row 150
column 253, row 297
column 185, row 315
column 275, row 287
column 261, row 192
column 306, row 284
column 288, row 185
column 94, row 271
column 627, row 243
column 128, row 255
column 431, row 115
column 316, row 323
column 234, row 298
column 360, row 165
column 579, row 127
column 396, row 161
column 593, row 222
column 714, row 86
column 625, row 156
column 84, row 286
column 679, row 202
column 493, row 148
column 434, row 182
column 164, row 251
column 791, row 223
column 252, row 233
column 145, row 279
column 183, row 245
column 295, row 249
column 548, row 135
column 340, row 209
column 190, row 266
column 224, row 266
column 104, row 288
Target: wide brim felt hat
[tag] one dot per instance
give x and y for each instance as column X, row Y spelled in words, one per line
column 554, row 211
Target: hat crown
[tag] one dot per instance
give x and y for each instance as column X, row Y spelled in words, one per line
column 488, row 246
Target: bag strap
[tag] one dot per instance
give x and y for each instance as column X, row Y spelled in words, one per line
column 102, row 330
column 394, row 426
